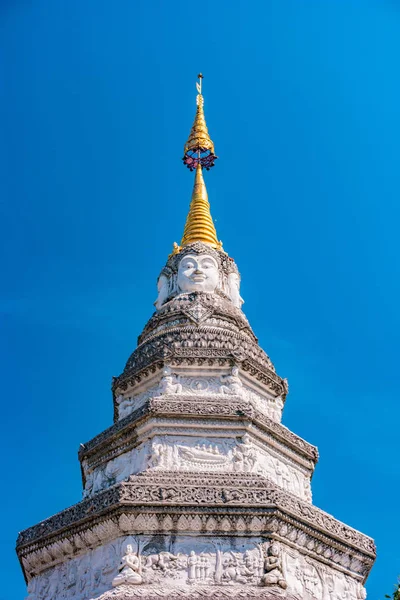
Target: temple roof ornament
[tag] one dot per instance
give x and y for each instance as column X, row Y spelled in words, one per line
column 199, row 225
column 199, row 148
column 199, row 154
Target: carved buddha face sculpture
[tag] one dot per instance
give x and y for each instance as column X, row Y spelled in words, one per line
column 198, row 273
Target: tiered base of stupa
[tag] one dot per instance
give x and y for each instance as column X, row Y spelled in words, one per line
column 195, row 536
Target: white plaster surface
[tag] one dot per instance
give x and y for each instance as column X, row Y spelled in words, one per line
column 170, row 561
column 200, row 454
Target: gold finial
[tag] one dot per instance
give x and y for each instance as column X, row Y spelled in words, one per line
column 199, row 224
column 199, row 148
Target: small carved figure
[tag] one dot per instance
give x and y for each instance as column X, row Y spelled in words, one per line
column 234, row 290
column 161, row 561
column 277, row 408
column 273, row 567
column 156, row 458
column 163, row 291
column 192, row 564
column 169, row 383
column 233, row 573
column 244, row 456
column 231, row 383
column 125, row 406
column 129, row 569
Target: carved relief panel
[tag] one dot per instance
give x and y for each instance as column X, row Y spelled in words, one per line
column 226, row 385
column 179, row 562
column 200, row 454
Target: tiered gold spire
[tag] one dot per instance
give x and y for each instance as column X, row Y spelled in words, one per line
column 199, row 224
column 199, row 153
column 199, row 148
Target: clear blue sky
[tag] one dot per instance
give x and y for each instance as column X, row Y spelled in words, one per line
column 303, row 103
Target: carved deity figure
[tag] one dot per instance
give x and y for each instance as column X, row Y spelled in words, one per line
column 277, row 407
column 169, row 383
column 234, row 290
column 231, row 383
column 125, row 406
column 89, row 482
column 129, row 569
column 244, row 455
column 235, row 573
column 163, row 291
column 163, row 561
column 192, row 563
column 273, row 567
column 198, row 273
column 156, row 458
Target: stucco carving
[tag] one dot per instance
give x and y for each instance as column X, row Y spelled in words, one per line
column 197, row 384
column 198, row 273
column 183, row 563
column 169, row 383
column 129, row 569
column 200, row 454
column 234, row 290
column 273, row 567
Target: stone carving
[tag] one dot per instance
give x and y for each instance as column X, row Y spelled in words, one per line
column 198, row 273
column 169, row 383
column 199, row 568
column 157, row 456
column 311, row 579
column 203, row 456
column 196, row 384
column 125, row 406
column 231, row 383
column 218, row 491
column 234, row 290
column 163, row 291
column 273, row 567
column 244, row 456
column 175, row 561
column 129, row 569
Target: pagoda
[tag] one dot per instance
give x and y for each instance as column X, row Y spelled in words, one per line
column 197, row 491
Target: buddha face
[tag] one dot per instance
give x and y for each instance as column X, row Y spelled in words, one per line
column 198, row 273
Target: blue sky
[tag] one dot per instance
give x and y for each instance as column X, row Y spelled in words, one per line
column 302, row 101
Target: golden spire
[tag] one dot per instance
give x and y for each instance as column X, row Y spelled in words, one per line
column 199, row 148
column 199, row 224
column 199, row 154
